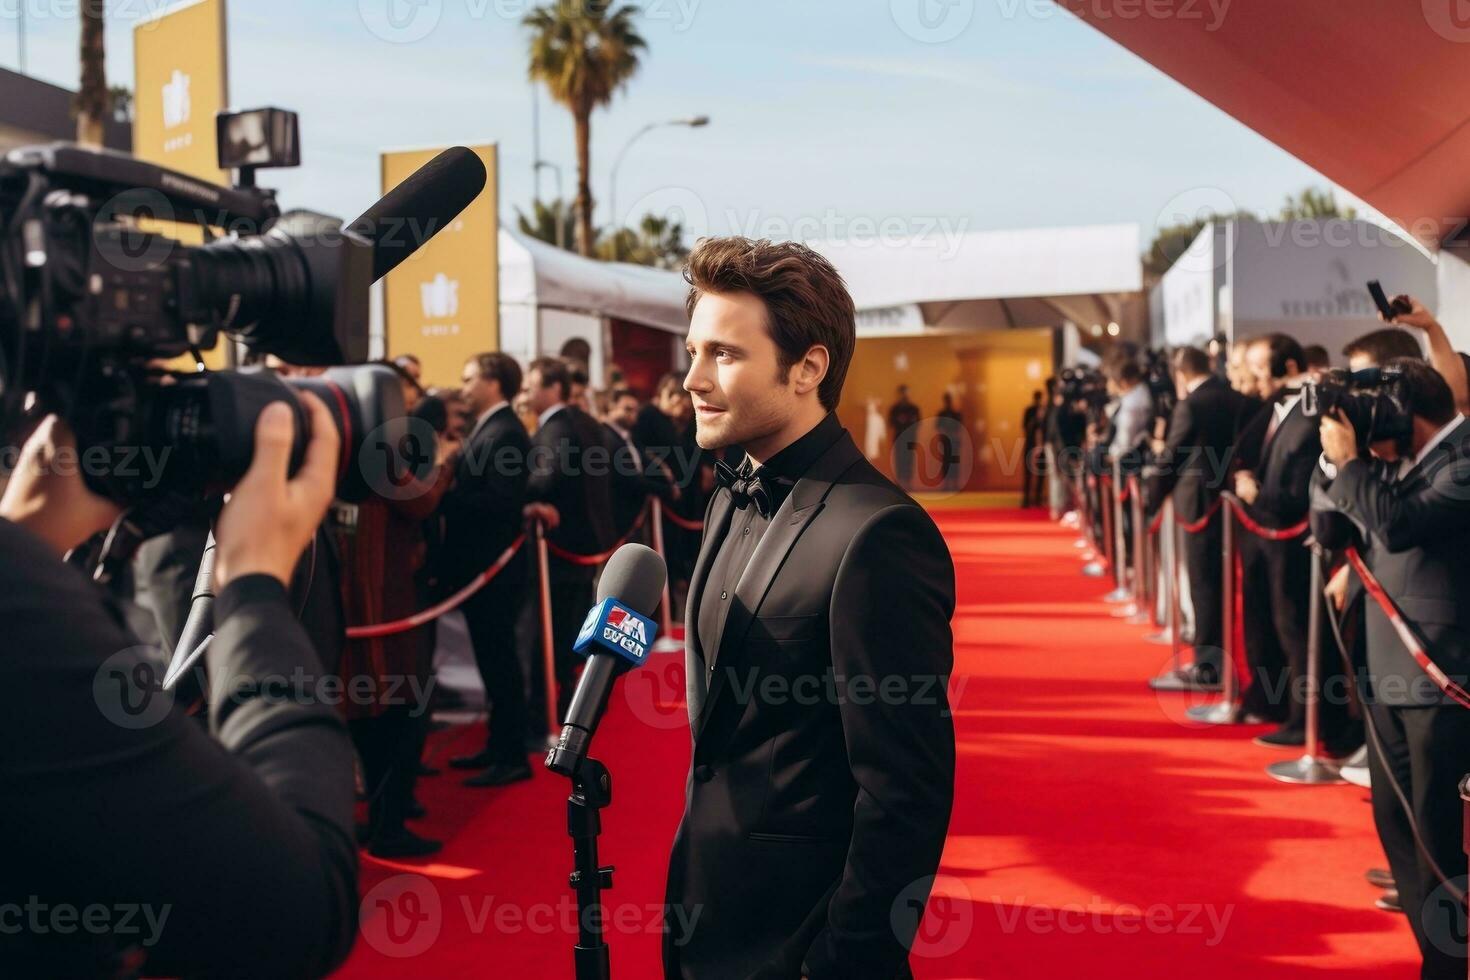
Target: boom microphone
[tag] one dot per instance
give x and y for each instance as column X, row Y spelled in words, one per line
column 420, row 207
column 617, row 633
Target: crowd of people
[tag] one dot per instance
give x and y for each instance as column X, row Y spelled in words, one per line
column 1373, row 461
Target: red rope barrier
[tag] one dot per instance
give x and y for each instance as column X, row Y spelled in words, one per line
column 684, row 522
column 598, row 559
column 434, row 612
column 1269, row 533
column 1406, row 633
column 1195, row 527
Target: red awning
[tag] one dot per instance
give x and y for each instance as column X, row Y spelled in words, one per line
column 1366, row 91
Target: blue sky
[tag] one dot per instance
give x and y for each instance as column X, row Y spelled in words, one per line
column 981, row 114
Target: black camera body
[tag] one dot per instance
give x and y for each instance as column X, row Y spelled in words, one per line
column 1372, row 399
column 93, row 299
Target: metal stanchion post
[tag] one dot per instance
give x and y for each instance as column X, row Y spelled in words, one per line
column 1095, row 567
column 1310, row 768
column 1164, row 572
column 1119, row 557
column 1173, row 679
column 1225, row 711
column 666, row 640
column 1138, row 608
column 548, row 645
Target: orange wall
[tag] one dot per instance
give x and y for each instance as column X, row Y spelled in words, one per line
column 990, row 374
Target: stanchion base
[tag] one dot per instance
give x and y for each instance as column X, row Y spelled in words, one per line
column 1140, row 618
column 1128, row 610
column 1081, row 543
column 667, row 644
column 1219, row 713
column 1164, row 637
column 1307, row 770
column 1094, row 569
column 1119, row 594
column 1175, row 681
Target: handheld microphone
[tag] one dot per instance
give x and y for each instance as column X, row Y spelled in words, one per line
column 423, row 204
column 617, row 634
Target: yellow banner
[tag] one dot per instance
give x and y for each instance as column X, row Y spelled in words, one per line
column 180, row 83
column 443, row 303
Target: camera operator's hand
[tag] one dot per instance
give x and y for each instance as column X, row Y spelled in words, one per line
column 1246, row 487
column 1339, row 441
column 1336, row 589
column 46, row 494
column 1417, row 315
column 269, row 518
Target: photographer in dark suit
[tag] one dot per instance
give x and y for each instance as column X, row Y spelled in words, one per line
column 226, row 852
column 817, row 654
column 1194, row 463
column 482, row 516
column 570, row 490
column 1276, row 494
column 1408, row 509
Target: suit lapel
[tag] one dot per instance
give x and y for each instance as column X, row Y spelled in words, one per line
column 787, row 524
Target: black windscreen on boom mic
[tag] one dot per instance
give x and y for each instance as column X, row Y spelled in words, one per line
column 420, row 207
column 629, row 591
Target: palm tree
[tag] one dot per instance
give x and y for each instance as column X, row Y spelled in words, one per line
column 583, row 51
column 553, row 223
column 658, row 242
column 94, row 101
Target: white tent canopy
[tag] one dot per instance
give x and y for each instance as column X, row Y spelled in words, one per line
column 994, row 279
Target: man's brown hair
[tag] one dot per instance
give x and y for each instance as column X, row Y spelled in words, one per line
column 500, row 367
column 806, row 301
column 554, row 371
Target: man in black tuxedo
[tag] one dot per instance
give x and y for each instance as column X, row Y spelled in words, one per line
column 635, row 477
column 482, row 512
column 818, row 650
column 1194, row 465
column 1276, row 494
column 570, row 491
column 1407, row 507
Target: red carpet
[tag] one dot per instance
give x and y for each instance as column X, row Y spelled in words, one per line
column 1094, row 834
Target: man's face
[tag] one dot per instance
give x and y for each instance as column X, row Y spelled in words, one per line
column 539, row 395
column 1258, row 363
column 733, row 378
column 478, row 392
column 624, row 412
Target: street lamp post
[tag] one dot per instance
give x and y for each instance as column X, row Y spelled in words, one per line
column 612, row 196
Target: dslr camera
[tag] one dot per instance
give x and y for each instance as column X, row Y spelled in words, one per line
column 1372, row 399
column 97, row 295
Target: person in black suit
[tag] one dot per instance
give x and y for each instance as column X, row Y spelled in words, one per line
column 816, row 809
column 1276, row 494
column 1194, row 465
column 114, row 796
column 482, row 517
column 1407, row 508
column 570, row 491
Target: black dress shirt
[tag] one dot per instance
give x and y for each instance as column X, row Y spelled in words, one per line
column 748, row 526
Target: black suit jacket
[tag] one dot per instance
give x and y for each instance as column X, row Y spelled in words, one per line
column 482, row 510
column 113, row 796
column 633, row 479
column 815, row 806
column 1415, row 537
column 1288, row 458
column 1199, row 447
column 571, row 470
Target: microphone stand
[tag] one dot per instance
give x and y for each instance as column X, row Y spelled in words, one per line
column 591, row 791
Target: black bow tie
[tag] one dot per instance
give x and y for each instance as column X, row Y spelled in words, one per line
column 745, row 488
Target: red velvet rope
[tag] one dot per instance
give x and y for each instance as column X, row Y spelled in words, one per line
column 1269, row 533
column 598, row 559
column 1406, row 633
column 683, row 522
column 434, row 612
column 1157, row 522
column 1195, row 527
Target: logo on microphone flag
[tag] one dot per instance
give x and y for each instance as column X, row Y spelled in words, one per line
column 614, row 627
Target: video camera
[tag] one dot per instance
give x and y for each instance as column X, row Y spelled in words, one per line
column 1372, row 399
column 1083, row 385
column 95, row 297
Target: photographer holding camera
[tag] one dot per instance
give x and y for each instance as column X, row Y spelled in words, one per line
column 137, row 842
column 1400, row 491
